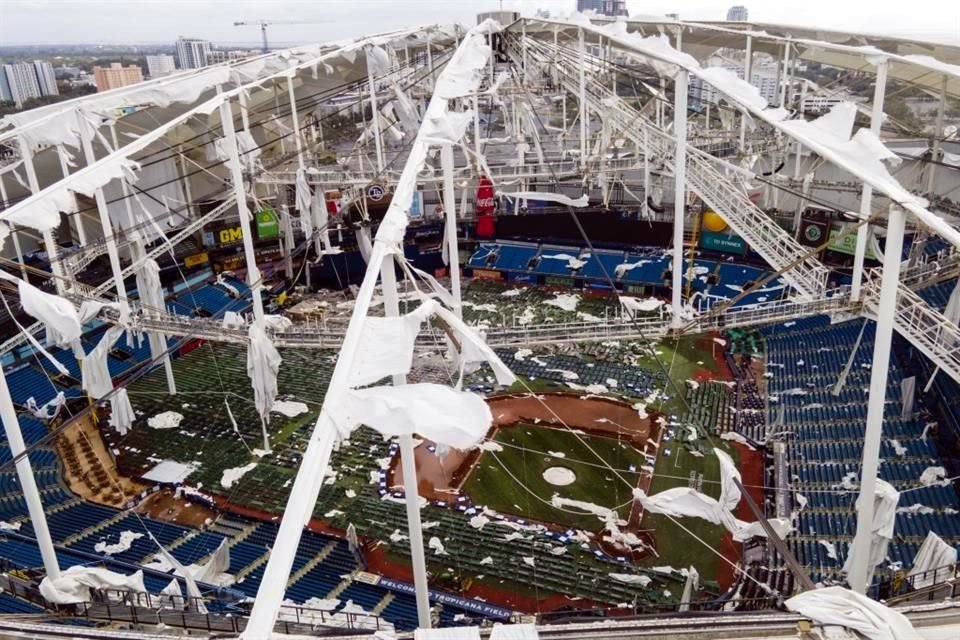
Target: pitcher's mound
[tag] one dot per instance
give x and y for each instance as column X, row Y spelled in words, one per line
column 559, row 476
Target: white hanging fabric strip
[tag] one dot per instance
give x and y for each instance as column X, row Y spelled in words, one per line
column 121, row 412
column 885, row 500
column 263, row 365
column 95, row 373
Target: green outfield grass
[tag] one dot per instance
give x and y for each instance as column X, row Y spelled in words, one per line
column 492, row 481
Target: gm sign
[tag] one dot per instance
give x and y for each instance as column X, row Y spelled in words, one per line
column 231, row 235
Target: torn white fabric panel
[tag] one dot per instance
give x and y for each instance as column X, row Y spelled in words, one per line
column 478, row 348
column 729, row 476
column 844, row 608
column 406, row 111
column 436, row 412
column 630, row 578
column 121, row 412
column 95, row 373
column 304, row 196
column 745, row 531
column 378, row 61
column 544, row 196
column 74, row 584
column 682, row 502
column 48, row 411
column 604, row 513
column 448, row 633
column 514, row 632
column 885, row 499
column 57, row 314
column 952, row 310
column 321, row 219
column 193, row 590
column 446, row 128
column 363, row 242
column 386, row 346
column 149, row 286
column 934, row 562
column 263, row 365
column 219, row 563
column 171, row 596
column 232, row 290
column 461, row 76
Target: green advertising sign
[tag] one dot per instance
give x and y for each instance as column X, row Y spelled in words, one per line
column 267, row 225
column 848, row 244
column 724, row 242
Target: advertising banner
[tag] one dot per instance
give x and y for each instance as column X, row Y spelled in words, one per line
column 724, row 242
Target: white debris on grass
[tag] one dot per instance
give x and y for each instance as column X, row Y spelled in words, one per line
column 694, row 385
column 526, row 317
column 488, row 307
column 511, row 293
column 565, row 374
column 490, row 446
column 289, row 408
column 124, row 543
column 165, row 420
column 230, row 476
column 565, row 301
column 641, row 409
column 557, row 454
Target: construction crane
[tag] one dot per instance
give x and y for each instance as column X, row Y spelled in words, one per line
column 263, row 24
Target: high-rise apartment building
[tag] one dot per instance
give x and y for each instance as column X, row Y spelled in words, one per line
column 762, row 76
column 160, row 65
column 22, row 81
column 192, row 53
column 46, row 78
column 217, row 56
column 116, row 76
column 737, row 13
column 604, row 7
column 5, row 94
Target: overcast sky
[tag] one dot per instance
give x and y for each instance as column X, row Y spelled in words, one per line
column 160, row 21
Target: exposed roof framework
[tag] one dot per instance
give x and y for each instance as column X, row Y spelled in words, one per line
column 199, row 104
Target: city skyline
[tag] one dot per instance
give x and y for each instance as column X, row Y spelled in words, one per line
column 52, row 22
